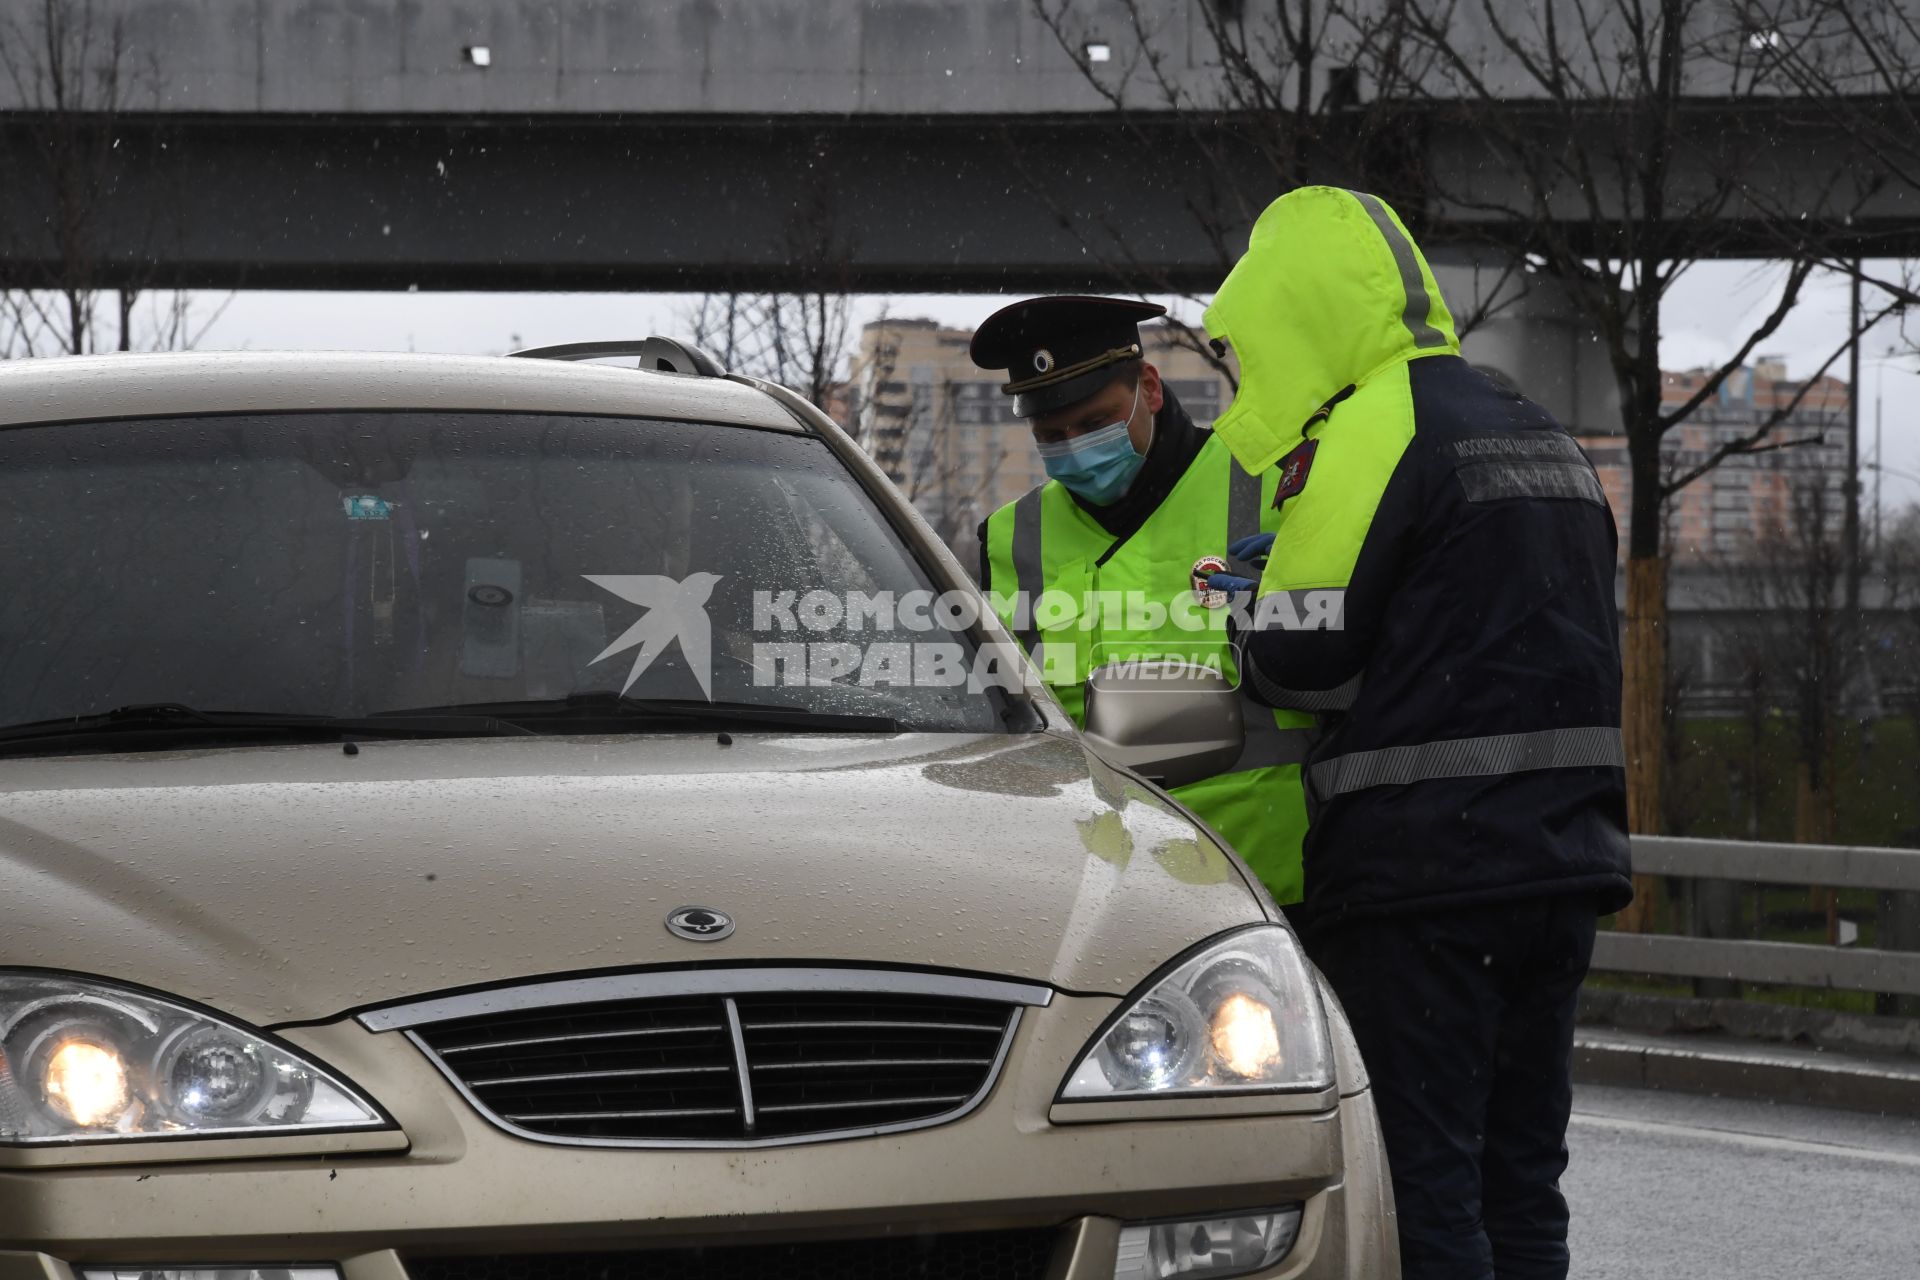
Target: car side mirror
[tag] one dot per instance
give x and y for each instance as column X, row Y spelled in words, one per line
column 1168, row 719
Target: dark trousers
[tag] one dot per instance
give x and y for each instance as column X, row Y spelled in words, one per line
column 1465, row 1018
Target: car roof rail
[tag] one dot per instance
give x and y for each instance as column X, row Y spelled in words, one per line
column 661, row 355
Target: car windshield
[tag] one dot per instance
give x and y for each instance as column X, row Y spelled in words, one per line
column 339, row 564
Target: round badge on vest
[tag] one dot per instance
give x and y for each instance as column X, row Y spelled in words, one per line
column 1204, row 568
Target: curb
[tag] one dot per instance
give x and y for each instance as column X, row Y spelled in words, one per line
column 1870, row 1036
column 1730, row 1069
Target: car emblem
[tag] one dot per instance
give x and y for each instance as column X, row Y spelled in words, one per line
column 699, row 924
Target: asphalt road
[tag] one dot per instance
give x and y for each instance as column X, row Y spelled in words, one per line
column 1665, row 1184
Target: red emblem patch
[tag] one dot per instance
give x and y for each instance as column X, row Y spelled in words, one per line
column 1293, row 471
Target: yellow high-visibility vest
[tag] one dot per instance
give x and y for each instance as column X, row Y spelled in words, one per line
column 1084, row 594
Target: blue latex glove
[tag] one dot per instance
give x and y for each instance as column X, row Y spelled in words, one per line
column 1252, row 549
column 1231, row 583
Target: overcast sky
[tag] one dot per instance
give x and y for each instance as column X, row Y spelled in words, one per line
column 1712, row 308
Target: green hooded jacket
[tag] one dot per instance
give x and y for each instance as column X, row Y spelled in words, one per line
column 1331, row 299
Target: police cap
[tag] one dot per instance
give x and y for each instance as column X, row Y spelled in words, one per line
column 1057, row 351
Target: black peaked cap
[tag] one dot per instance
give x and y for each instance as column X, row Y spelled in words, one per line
column 1060, row 350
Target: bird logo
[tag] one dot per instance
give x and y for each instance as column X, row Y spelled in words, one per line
column 676, row 609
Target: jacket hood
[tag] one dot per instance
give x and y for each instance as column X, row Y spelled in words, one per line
column 292, row 884
column 1330, row 290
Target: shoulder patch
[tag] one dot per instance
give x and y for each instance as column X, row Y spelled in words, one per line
column 1525, row 464
column 1547, row 446
column 1294, row 469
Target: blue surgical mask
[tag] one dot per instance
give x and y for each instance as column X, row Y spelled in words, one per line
column 1100, row 465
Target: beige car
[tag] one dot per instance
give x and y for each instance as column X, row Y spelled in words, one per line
column 529, row 819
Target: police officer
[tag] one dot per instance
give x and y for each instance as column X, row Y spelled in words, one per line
column 1440, row 589
column 1140, row 500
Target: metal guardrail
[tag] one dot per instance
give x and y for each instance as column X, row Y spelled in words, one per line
column 1783, row 963
column 1836, row 865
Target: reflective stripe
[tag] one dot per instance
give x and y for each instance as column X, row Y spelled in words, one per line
column 1469, row 758
column 1028, row 579
column 1419, row 305
column 1243, row 502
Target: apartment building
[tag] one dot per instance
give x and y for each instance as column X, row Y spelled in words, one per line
column 1746, row 495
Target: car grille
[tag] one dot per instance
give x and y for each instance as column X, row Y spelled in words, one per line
column 972, row 1255
column 728, row 1069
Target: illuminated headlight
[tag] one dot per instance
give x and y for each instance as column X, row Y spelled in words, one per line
column 84, row 1060
column 1241, row 1013
column 1207, row 1248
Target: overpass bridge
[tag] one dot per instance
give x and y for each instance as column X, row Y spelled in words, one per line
column 859, row 145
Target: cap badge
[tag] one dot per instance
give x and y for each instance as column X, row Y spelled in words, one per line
column 1043, row 361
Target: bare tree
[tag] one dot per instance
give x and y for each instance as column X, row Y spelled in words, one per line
column 1278, row 101
column 1857, row 63
column 1268, row 97
column 952, row 469
column 77, row 75
column 799, row 340
column 1803, row 645
column 880, row 413
column 1893, row 643
column 945, row 455
column 1893, row 646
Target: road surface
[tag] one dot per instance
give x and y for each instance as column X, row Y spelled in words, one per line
column 1671, row 1185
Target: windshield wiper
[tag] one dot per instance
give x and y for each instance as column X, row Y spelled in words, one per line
column 624, row 713
column 141, row 722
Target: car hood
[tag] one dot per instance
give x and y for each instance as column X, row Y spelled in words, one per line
column 289, row 884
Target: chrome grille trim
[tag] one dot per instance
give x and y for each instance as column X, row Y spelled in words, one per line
column 533, row 1116
column 618, row 1073
column 876, row 1024
column 740, row 1067
column 756, row 987
column 874, row 1105
column 632, row 1033
column 699, row 982
column 877, row 1062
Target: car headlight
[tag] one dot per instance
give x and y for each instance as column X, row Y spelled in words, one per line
column 1238, row 1014
column 82, row 1060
